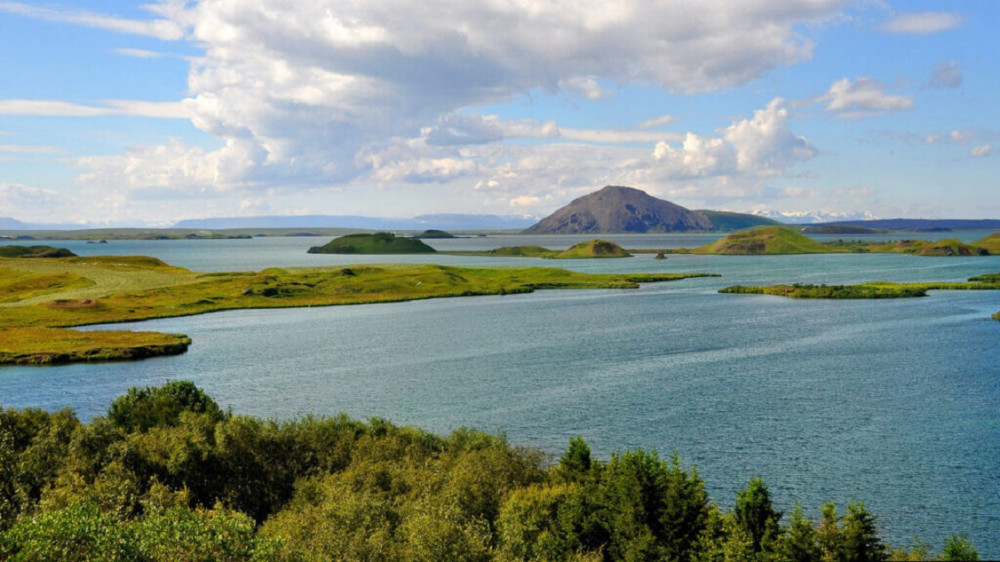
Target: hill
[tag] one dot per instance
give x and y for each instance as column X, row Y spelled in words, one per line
column 764, row 240
column 991, row 243
column 620, row 209
column 34, row 252
column 727, row 221
column 378, row 243
column 594, row 249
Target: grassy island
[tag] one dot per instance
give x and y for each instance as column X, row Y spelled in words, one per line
column 776, row 240
column 377, row 243
column 584, row 250
column 41, row 297
column 34, row 252
column 765, row 240
column 874, row 290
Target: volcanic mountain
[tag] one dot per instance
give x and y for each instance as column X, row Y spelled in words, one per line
column 621, row 209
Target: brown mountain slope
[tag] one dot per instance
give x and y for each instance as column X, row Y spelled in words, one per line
column 620, row 209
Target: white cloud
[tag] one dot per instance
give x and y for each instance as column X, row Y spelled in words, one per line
column 657, row 122
column 134, row 108
column 158, row 28
column 317, row 86
column 525, row 201
column 862, row 98
column 981, row 150
column 138, row 53
column 920, row 23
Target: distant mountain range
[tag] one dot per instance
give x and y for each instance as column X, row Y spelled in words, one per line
column 421, row 222
column 814, row 217
column 616, row 208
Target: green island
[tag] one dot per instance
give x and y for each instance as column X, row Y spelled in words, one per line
column 584, row 250
column 873, row 290
column 778, row 240
column 34, row 252
column 167, row 474
column 377, row 243
column 41, row 297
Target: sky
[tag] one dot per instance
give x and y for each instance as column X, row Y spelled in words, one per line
column 124, row 113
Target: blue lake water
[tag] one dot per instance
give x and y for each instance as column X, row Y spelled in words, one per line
column 896, row 402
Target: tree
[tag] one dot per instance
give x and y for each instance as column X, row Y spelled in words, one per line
column 958, row 547
column 754, row 512
column 143, row 408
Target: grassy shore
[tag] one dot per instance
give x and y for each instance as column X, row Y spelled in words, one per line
column 874, row 290
column 45, row 296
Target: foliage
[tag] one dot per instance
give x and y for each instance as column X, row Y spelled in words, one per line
column 15, row 251
column 168, row 475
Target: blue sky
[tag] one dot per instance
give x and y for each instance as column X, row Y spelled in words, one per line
column 124, row 113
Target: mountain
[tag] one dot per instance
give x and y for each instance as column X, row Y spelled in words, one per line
column 620, row 209
column 625, row 209
column 814, row 217
column 421, row 222
column 7, row 223
column 926, row 224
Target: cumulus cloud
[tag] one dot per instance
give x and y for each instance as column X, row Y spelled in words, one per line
column 862, row 98
column 657, row 122
column 761, row 146
column 315, row 87
column 922, row 23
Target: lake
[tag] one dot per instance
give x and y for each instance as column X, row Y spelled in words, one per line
column 895, row 402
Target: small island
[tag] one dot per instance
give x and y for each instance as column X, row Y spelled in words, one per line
column 34, row 252
column 777, row 240
column 434, row 233
column 377, row 243
column 584, row 250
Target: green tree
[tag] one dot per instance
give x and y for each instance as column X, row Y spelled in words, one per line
column 861, row 542
column 144, row 408
column 798, row 543
column 959, row 547
column 753, row 511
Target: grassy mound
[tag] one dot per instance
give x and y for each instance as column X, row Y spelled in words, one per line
column 593, row 249
column 765, row 240
column 521, row 252
column 378, row 243
column 34, row 252
column 948, row 247
column 434, row 233
column 991, row 243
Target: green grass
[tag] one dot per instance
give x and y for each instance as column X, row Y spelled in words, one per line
column 584, row 250
column 873, row 290
column 34, row 252
column 991, row 243
column 138, row 288
column 765, row 240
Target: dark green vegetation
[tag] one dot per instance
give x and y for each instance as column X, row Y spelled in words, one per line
column 874, row 290
column 377, row 243
column 765, row 240
column 433, row 233
column 583, row 250
column 991, row 243
column 169, row 475
column 41, row 297
column 34, row 252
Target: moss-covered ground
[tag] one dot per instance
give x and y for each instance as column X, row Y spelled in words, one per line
column 42, row 297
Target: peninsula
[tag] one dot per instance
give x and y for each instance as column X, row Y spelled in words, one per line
column 41, row 298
